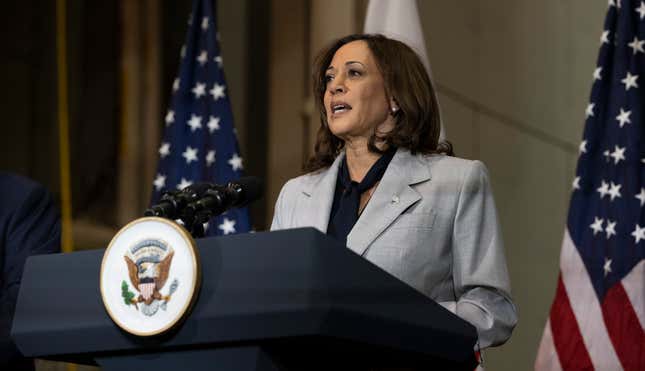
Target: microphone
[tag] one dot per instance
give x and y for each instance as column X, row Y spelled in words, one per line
column 172, row 203
column 217, row 199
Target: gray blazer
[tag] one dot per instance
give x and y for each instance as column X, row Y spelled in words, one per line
column 432, row 223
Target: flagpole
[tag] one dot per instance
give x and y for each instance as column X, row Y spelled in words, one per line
column 63, row 128
column 63, row 134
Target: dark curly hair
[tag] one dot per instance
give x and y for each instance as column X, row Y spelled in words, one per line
column 418, row 124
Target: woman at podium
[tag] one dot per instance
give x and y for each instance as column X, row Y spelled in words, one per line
column 382, row 183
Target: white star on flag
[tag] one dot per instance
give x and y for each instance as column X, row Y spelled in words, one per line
column 182, row 52
column 175, row 84
column 610, row 229
column 607, row 266
column 195, row 123
column 618, row 154
column 638, row 233
column 637, row 45
column 184, row 183
column 623, row 117
column 219, row 60
column 236, row 162
column 614, row 191
column 205, row 23
column 606, row 154
column 596, row 74
column 202, row 58
column 170, row 117
column 164, row 150
column 190, row 154
column 641, row 196
column 576, row 183
column 199, row 90
column 217, row 91
column 641, row 10
column 160, row 182
column 604, row 39
column 210, row 158
column 603, row 189
column 583, row 147
column 213, row 124
column 227, row 226
column 597, row 225
column 589, row 110
column 630, row 81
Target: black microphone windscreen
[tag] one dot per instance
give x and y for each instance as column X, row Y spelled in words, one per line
column 252, row 187
column 198, row 188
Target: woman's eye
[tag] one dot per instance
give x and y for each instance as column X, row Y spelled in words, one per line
column 354, row 73
column 328, row 78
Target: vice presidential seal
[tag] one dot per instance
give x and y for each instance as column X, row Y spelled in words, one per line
column 150, row 276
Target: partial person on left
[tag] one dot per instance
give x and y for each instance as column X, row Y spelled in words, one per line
column 29, row 225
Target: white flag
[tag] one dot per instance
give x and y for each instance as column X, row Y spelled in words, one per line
column 399, row 19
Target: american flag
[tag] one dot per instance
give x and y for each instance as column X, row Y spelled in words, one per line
column 597, row 318
column 199, row 142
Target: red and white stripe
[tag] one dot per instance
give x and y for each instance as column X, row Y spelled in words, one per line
column 584, row 334
column 146, row 289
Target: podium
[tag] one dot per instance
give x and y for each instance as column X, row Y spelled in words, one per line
column 285, row 300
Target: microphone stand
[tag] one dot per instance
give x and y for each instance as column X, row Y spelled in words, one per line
column 197, row 230
column 195, row 223
column 192, row 222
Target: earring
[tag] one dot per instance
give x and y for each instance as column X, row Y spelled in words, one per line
column 394, row 110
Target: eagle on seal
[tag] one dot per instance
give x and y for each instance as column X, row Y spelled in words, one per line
column 149, row 277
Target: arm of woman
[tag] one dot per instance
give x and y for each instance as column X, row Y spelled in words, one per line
column 481, row 282
column 278, row 212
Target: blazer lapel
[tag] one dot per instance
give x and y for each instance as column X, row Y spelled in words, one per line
column 320, row 194
column 392, row 196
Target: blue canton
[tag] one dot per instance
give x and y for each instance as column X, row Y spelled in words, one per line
column 606, row 213
column 199, row 142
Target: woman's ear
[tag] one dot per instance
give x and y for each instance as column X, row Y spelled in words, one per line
column 394, row 106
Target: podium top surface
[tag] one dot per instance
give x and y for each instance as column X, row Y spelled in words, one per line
column 255, row 287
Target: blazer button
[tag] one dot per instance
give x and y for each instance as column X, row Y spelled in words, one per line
column 395, row 199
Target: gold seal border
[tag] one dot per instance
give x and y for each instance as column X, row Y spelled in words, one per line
column 197, row 276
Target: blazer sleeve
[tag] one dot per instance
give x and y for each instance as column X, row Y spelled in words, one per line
column 279, row 210
column 480, row 276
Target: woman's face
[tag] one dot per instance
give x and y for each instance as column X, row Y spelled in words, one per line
column 355, row 99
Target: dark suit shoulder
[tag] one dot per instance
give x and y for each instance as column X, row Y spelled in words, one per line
column 28, row 214
column 16, row 189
